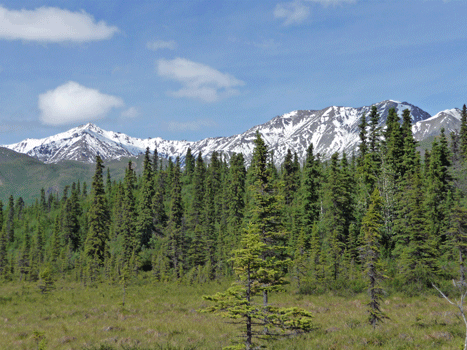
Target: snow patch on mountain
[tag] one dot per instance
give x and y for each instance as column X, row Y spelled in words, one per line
column 332, row 129
column 449, row 119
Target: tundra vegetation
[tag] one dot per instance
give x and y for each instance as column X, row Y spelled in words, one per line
column 350, row 252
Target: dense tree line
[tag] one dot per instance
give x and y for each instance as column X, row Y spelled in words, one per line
column 384, row 215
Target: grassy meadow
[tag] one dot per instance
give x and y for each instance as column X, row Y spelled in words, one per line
column 165, row 316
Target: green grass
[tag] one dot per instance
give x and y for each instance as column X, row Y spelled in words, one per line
column 165, row 316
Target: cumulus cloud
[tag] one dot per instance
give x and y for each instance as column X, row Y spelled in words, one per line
column 161, row 44
column 131, row 112
column 52, row 24
column 292, row 12
column 198, row 80
column 72, row 103
column 194, row 125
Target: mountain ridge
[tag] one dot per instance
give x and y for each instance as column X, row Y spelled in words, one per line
column 332, row 129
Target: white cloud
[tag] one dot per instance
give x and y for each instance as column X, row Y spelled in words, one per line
column 190, row 126
column 294, row 12
column 332, row 2
column 161, row 44
column 297, row 11
column 72, row 103
column 131, row 112
column 198, row 80
column 51, row 24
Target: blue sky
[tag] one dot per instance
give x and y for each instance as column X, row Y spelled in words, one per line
column 195, row 69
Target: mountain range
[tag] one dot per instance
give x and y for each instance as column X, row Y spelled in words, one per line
column 332, row 129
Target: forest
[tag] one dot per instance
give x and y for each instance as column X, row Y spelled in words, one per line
column 385, row 220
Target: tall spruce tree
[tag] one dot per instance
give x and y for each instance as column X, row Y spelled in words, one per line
column 370, row 253
column 265, row 215
column 175, row 234
column 463, row 132
column 98, row 219
column 144, row 223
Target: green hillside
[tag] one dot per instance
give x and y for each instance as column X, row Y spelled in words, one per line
column 22, row 175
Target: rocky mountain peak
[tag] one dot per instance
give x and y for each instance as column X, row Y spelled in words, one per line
column 332, row 129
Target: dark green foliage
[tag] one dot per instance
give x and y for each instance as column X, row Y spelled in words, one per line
column 370, row 253
column 311, row 184
column 10, row 230
column 185, row 223
column 238, row 302
column 144, row 223
column 175, row 233
column 463, row 132
column 363, row 146
column 98, row 219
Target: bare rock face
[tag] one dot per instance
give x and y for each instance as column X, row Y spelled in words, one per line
column 332, row 129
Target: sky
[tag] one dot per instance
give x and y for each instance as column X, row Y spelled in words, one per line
column 187, row 70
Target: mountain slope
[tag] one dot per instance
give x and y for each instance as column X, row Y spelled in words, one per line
column 450, row 120
column 333, row 129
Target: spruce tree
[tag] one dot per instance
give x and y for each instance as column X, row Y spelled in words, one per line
column 370, row 253
column 196, row 209
column 290, row 178
column 144, row 224
column 1, row 216
column 463, row 132
column 98, row 219
column 70, row 222
column 3, row 253
column 130, row 240
column 209, row 215
column 311, row 184
column 175, row 234
column 363, row 146
column 239, row 302
column 158, row 204
column 265, row 215
column 189, row 166
column 415, row 247
column 10, row 230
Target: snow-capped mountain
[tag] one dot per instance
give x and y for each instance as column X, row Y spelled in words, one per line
column 450, row 120
column 332, row 129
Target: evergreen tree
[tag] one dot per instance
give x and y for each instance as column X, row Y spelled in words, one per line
column 158, row 205
column 1, row 216
column 3, row 253
column 209, row 213
column 310, row 191
column 196, row 209
column 144, row 224
column 416, row 248
column 374, row 135
column 265, row 215
column 371, row 231
column 290, row 178
column 189, row 166
column 336, row 201
column 363, row 146
column 10, row 230
column 70, row 224
column 239, row 303
column 24, row 257
column 127, row 230
column 98, row 219
column 176, row 239
column 155, row 162
column 463, row 132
